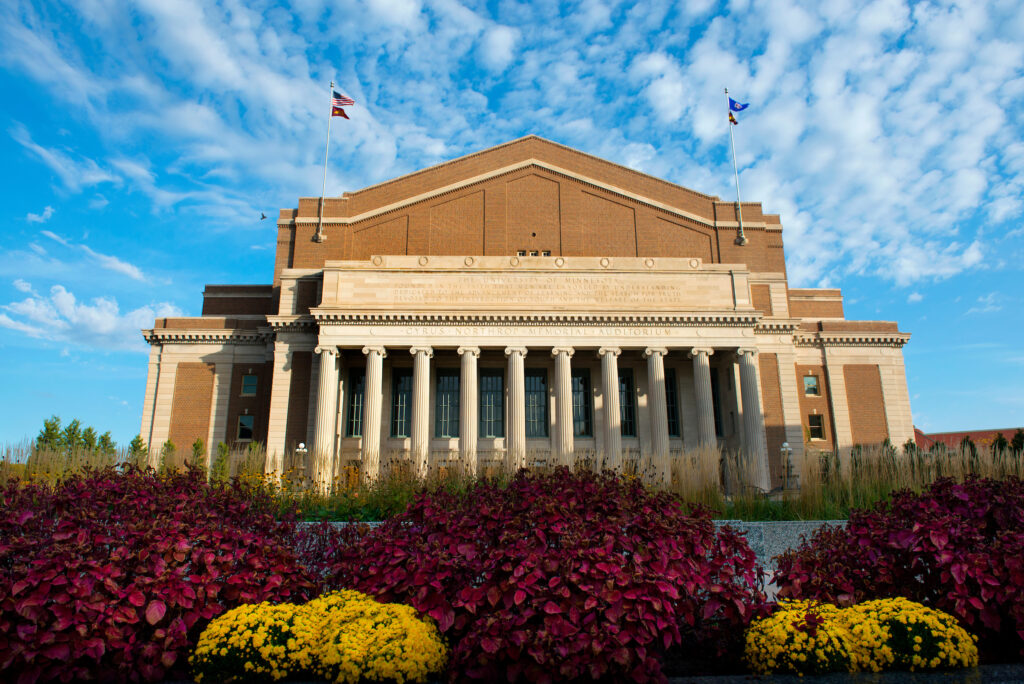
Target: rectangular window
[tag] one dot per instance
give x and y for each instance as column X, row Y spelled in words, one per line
column 582, row 412
column 816, row 426
column 534, row 252
column 811, row 385
column 249, row 385
column 716, row 403
column 521, row 252
column 536, row 402
column 401, row 402
column 245, row 427
column 627, row 403
column 546, row 252
column 672, row 402
column 356, row 393
column 492, row 403
column 446, row 411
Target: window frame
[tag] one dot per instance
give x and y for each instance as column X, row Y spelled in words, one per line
column 484, row 422
column 246, row 418
column 255, row 385
column 454, row 405
column 397, row 394
column 582, row 420
column 356, row 402
column 675, row 426
column 817, row 385
column 534, row 395
column 627, row 402
column 820, row 427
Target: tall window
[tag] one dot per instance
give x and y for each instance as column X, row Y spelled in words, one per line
column 446, row 412
column 715, row 394
column 246, row 425
column 401, row 398
column 356, row 394
column 249, row 383
column 492, row 403
column 816, row 427
column 811, row 386
column 672, row 402
column 536, row 402
column 627, row 406
column 582, row 422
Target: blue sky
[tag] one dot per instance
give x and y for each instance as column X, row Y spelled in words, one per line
column 140, row 142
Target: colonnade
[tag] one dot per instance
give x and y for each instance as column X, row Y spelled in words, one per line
column 327, row 410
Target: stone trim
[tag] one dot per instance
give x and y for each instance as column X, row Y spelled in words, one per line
column 199, row 336
column 301, row 323
column 717, row 319
column 865, row 339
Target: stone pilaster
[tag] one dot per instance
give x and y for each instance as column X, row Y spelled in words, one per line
column 219, row 409
column 153, row 373
column 612, row 416
column 563, row 404
column 705, row 400
column 163, row 399
column 468, row 407
column 277, row 421
column 755, row 446
column 420, row 432
column 516, row 436
column 322, row 470
column 840, row 404
column 660, row 465
column 372, row 411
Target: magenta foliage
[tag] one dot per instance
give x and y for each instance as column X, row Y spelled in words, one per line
column 559, row 577
column 956, row 547
column 111, row 576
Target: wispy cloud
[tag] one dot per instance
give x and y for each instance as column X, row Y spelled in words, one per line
column 914, row 297
column 75, row 172
column 987, row 304
column 40, row 218
column 111, row 263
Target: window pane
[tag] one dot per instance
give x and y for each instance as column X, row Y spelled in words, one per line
column 356, row 393
column 245, row 426
column 816, row 427
column 446, row 412
column 536, row 403
column 249, row 385
column 671, row 402
column 627, row 407
column 492, row 403
column 582, row 425
column 715, row 403
column 401, row 398
column 811, row 385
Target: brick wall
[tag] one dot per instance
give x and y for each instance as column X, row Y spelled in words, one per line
column 761, row 298
column 298, row 400
column 190, row 407
column 305, row 296
column 257, row 405
column 771, row 406
column 866, row 403
column 815, row 404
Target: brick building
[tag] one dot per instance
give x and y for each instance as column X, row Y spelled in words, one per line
column 526, row 301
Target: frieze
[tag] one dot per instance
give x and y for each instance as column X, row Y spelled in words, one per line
column 553, row 321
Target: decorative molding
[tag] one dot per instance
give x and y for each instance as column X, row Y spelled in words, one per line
column 303, row 323
column 522, row 351
column 475, row 351
column 716, row 319
column 701, row 350
column 614, row 351
column 569, row 351
column 851, row 339
column 651, row 351
column 777, row 326
column 200, row 336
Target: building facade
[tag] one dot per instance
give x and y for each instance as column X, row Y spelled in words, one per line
column 527, row 302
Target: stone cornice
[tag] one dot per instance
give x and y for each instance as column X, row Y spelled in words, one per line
column 201, row 336
column 777, row 326
column 301, row 323
column 851, row 339
column 741, row 319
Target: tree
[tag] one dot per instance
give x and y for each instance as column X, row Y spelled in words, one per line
column 220, row 470
column 999, row 444
column 198, row 456
column 51, row 437
column 1017, row 443
column 106, row 445
column 72, row 436
column 89, row 439
column 167, row 456
column 137, row 451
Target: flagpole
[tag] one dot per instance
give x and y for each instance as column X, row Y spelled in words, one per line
column 319, row 237
column 741, row 239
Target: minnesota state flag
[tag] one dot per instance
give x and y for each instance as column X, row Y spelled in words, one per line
column 735, row 106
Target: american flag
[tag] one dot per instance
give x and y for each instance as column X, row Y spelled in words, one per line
column 339, row 100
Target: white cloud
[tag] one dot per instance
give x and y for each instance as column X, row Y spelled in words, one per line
column 498, row 47
column 57, row 238
column 111, row 263
column 22, row 285
column 99, row 324
column 40, row 218
column 987, row 304
column 74, row 174
column 914, row 297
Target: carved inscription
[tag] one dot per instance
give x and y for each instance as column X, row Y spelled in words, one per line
column 537, row 330
column 539, row 289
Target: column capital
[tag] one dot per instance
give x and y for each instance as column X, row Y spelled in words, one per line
column 509, row 351
column 614, row 351
column 380, row 350
column 746, row 350
column 568, row 351
column 707, row 351
column 475, row 351
column 327, row 349
column 651, row 351
column 429, row 351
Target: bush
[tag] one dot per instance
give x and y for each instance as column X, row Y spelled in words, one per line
column 955, row 547
column 113, row 575
column 341, row 637
column 556, row 577
column 901, row 634
column 800, row 637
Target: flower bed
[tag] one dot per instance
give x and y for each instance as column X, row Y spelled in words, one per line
column 555, row 577
column 958, row 547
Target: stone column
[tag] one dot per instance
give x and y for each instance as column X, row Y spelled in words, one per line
column 612, row 416
column 372, row 411
column 563, row 404
column 705, row 400
column 660, row 464
column 515, row 437
column 420, row 432
column 322, row 469
column 468, row 406
column 219, row 411
column 755, row 447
